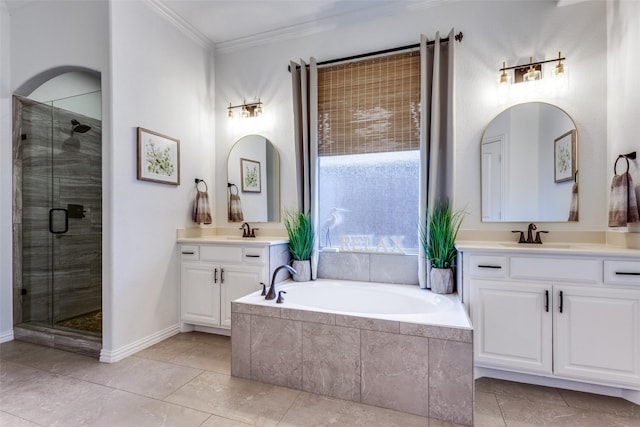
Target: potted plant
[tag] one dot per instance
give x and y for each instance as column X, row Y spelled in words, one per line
column 301, row 237
column 438, row 242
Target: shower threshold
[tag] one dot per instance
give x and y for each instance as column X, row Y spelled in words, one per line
column 60, row 339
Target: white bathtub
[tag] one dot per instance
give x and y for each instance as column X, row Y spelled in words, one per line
column 404, row 303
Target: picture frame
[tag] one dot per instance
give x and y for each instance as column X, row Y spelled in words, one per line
column 564, row 157
column 250, row 176
column 158, row 157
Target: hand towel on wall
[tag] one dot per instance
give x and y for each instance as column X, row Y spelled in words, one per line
column 201, row 210
column 573, row 207
column 235, row 207
column 623, row 207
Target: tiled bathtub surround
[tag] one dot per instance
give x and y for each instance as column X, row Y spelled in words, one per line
column 415, row 368
column 369, row 267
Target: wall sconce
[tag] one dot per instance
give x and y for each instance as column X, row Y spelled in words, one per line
column 531, row 71
column 253, row 109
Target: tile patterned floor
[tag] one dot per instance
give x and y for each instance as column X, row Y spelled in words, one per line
column 185, row 381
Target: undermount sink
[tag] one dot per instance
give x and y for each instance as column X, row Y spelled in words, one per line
column 249, row 239
column 536, row 245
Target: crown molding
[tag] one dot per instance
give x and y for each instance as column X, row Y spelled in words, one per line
column 322, row 25
column 179, row 23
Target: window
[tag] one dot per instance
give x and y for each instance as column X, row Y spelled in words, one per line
column 369, row 164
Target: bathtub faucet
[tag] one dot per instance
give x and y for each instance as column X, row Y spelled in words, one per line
column 272, row 289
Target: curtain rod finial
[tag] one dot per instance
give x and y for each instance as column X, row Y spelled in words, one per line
column 459, row 36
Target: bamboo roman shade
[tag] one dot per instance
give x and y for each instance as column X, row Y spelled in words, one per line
column 370, row 106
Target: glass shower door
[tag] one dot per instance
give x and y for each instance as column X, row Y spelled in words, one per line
column 62, row 219
column 37, row 241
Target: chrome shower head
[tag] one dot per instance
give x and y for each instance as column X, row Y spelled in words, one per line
column 79, row 128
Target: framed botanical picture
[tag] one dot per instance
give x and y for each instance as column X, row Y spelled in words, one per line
column 158, row 157
column 250, row 176
column 565, row 157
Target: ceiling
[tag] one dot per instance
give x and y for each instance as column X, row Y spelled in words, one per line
column 227, row 22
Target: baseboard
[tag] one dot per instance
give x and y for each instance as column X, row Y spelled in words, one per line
column 112, row 356
column 6, row 336
column 625, row 393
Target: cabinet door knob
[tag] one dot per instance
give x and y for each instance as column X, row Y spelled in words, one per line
column 215, row 275
column 222, row 275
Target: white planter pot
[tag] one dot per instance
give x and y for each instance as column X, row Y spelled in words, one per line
column 303, row 269
column 441, row 280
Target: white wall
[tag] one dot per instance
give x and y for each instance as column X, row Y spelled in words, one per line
column 162, row 81
column 494, row 31
column 153, row 76
column 38, row 37
column 623, row 28
column 6, row 309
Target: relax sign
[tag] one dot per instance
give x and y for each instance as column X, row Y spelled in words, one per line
column 363, row 243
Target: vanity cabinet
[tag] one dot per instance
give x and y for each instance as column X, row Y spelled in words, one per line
column 559, row 314
column 213, row 275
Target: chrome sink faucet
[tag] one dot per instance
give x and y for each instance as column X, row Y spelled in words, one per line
column 532, row 227
column 247, row 231
column 272, row 289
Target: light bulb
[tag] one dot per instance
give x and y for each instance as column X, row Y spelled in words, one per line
column 559, row 66
column 504, row 77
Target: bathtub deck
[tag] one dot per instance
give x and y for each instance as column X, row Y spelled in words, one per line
column 418, row 368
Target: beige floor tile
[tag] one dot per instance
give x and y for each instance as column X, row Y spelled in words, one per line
column 8, row 420
column 215, row 421
column 124, row 409
column 147, row 377
column 487, row 411
column 195, row 350
column 14, row 375
column 45, row 358
column 242, row 400
column 597, row 403
column 440, row 423
column 47, row 398
column 531, row 392
column 313, row 410
column 524, row 413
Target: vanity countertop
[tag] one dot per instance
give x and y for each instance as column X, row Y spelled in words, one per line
column 547, row 248
column 248, row 241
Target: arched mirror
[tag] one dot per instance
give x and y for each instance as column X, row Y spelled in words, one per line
column 530, row 165
column 253, row 181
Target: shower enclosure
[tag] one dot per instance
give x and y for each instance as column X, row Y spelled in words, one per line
column 58, row 224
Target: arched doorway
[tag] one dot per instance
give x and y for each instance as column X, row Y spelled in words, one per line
column 57, row 215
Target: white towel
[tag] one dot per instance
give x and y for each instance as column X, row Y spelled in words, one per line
column 201, row 210
column 623, row 207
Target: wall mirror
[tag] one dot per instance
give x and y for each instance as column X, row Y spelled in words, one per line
column 253, row 181
column 529, row 156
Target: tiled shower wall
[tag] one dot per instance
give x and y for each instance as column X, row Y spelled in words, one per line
column 44, row 148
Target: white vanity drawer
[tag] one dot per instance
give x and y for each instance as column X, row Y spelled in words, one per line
column 488, row 266
column 557, row 269
column 221, row 253
column 190, row 252
column 255, row 255
column 622, row 272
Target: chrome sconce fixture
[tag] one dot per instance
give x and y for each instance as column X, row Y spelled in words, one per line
column 252, row 109
column 531, row 71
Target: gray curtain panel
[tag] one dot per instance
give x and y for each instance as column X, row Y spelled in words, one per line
column 436, row 131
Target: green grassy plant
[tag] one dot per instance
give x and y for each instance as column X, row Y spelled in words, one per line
column 298, row 225
column 439, row 238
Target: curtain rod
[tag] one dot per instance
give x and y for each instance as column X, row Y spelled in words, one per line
column 458, row 37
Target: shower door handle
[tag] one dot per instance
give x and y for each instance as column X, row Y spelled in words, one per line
column 66, row 221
